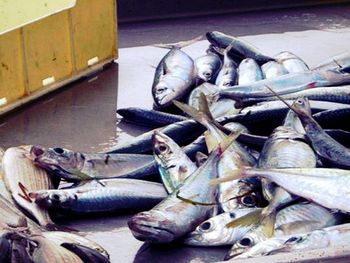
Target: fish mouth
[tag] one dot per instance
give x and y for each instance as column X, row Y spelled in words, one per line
column 145, row 226
column 234, row 253
column 195, row 239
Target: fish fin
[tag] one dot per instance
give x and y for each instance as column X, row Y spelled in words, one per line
column 268, row 223
column 230, row 174
column 25, row 193
column 210, row 141
column 193, row 112
column 294, row 227
column 179, row 44
column 249, row 219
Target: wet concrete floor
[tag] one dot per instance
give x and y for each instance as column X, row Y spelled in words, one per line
column 82, row 115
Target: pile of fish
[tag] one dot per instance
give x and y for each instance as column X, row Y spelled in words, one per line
column 259, row 161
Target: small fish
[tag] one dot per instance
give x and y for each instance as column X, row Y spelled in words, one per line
column 105, row 196
column 325, row 186
column 240, row 49
column 21, row 176
column 76, row 166
column 207, row 67
column 273, row 69
column 291, row 62
column 336, row 62
column 294, row 219
column 333, row 236
column 173, row 77
column 183, row 210
column 329, row 150
column 249, row 72
column 215, row 232
column 228, row 73
column 173, row 164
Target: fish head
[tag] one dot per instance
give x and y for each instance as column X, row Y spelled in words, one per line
column 312, row 240
column 260, row 249
column 209, row 232
column 249, row 240
column 152, row 226
column 302, row 107
column 57, row 160
column 167, row 90
column 53, row 198
column 162, row 146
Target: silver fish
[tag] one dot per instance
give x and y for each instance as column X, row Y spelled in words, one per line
column 21, row 176
column 323, row 238
column 228, row 73
column 273, row 69
column 207, row 67
column 291, row 62
column 215, row 232
column 173, row 164
column 249, row 72
column 180, row 213
column 295, row 219
column 104, row 196
column 173, row 77
column 76, row 166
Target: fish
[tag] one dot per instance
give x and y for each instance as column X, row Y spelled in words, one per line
column 295, row 219
column 273, row 69
column 333, row 236
column 339, row 61
column 60, row 237
column 285, row 84
column 21, row 176
column 103, row 196
column 228, row 73
column 149, row 118
column 183, row 210
column 339, row 94
column 248, row 72
column 235, row 155
column 173, row 77
column 49, row 252
column 173, row 164
column 328, row 149
column 207, row 67
column 240, row 48
column 325, row 186
column 291, row 62
column 215, row 232
column 77, row 166
column 86, row 254
column 218, row 108
column 182, row 133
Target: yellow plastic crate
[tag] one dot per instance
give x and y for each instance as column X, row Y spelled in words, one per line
column 46, row 45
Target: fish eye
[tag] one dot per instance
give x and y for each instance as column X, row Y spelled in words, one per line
column 245, row 242
column 232, row 215
column 249, row 200
column 162, row 148
column 58, row 150
column 300, row 101
column 55, row 196
column 207, row 74
column 293, row 240
column 205, row 226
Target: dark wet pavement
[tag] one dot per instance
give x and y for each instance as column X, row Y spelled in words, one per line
column 82, row 116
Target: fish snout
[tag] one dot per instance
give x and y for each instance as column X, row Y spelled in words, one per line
column 151, row 226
